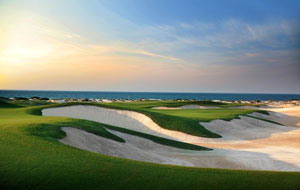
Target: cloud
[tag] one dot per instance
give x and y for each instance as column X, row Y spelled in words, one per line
column 129, row 49
column 196, row 56
column 227, row 34
column 32, row 40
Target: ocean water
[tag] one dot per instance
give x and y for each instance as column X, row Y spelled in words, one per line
column 146, row 95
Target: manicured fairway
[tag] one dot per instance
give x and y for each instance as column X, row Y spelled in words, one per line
column 186, row 120
column 206, row 114
column 32, row 158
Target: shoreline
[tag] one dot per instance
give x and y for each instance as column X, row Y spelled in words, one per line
column 111, row 100
column 110, row 95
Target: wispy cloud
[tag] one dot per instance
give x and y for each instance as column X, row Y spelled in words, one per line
column 116, row 53
column 227, row 34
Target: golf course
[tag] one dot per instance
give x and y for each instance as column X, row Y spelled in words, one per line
column 38, row 151
column 149, row 95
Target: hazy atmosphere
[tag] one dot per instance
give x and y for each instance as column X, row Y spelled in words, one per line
column 179, row 46
column 150, row 94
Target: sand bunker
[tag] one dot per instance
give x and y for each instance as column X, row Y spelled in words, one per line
column 137, row 148
column 286, row 114
column 121, row 118
column 247, row 143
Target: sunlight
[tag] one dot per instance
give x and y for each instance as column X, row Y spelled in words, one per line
column 23, row 43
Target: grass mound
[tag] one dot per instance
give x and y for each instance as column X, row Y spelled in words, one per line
column 185, row 120
column 8, row 105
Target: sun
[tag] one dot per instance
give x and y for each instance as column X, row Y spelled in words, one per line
column 23, row 42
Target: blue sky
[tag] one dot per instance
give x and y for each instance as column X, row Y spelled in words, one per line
column 131, row 45
column 171, row 12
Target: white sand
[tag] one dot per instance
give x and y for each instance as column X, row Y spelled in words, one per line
column 286, row 114
column 247, row 143
column 121, row 118
column 137, row 148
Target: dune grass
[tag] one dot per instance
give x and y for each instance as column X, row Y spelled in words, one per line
column 32, row 158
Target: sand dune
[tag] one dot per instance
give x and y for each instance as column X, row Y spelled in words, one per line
column 137, row 148
column 247, row 143
column 287, row 115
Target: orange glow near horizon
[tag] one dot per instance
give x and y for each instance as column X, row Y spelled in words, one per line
column 62, row 45
column 37, row 56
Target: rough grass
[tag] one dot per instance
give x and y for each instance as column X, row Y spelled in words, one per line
column 31, row 102
column 53, row 131
column 159, row 140
column 8, row 105
column 267, row 120
column 31, row 158
column 186, row 121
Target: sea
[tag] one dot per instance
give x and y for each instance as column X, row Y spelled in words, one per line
column 146, row 95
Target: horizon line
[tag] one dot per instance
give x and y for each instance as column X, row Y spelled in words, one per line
column 151, row 91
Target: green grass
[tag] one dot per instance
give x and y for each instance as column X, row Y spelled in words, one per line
column 172, row 103
column 185, row 120
column 8, row 105
column 274, row 122
column 31, row 102
column 206, row 115
column 93, row 126
column 158, row 140
column 32, row 158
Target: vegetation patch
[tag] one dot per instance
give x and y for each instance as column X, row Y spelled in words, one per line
column 265, row 120
column 185, row 120
column 159, row 140
column 31, row 158
column 8, row 105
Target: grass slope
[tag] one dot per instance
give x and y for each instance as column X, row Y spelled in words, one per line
column 31, row 158
column 93, row 127
column 185, row 120
column 267, row 120
column 8, row 105
column 158, row 140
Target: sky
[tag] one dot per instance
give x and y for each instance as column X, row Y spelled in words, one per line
column 249, row 46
